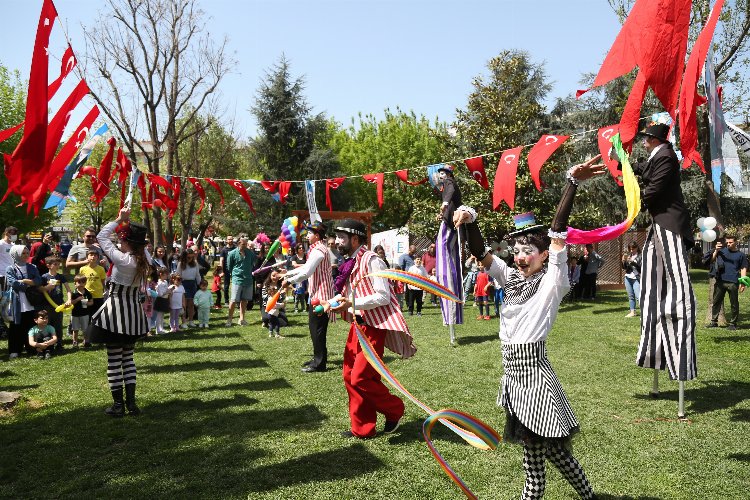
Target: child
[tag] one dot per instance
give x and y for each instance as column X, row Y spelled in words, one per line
column 82, row 301
column 216, row 286
column 151, row 295
column 480, row 292
column 202, row 301
column 176, row 302
column 274, row 317
column 161, row 302
column 398, row 289
column 95, row 276
column 55, row 282
column 416, row 293
column 433, row 277
column 499, row 293
column 574, row 276
column 300, row 291
column 42, row 336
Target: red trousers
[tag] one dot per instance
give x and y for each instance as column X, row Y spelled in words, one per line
column 368, row 396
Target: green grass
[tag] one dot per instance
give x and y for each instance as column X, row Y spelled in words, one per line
column 228, row 414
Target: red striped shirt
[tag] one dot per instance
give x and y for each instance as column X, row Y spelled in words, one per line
column 321, row 280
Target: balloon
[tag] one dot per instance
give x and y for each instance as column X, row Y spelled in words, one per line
column 708, row 235
column 504, row 254
column 709, row 223
column 701, row 223
column 158, row 203
column 503, row 245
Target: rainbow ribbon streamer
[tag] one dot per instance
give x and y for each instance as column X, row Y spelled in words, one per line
column 632, row 198
column 469, row 428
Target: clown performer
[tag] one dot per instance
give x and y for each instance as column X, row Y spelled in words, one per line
column 120, row 321
column 448, row 258
column 317, row 269
column 381, row 321
column 538, row 414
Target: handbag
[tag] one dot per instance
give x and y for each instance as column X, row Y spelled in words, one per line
column 35, row 297
column 161, row 304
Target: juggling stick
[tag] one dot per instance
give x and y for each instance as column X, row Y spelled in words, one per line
column 265, row 270
column 469, row 428
column 60, row 308
column 271, row 252
column 272, row 301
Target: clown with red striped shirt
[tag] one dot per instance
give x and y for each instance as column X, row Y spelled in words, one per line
column 379, row 317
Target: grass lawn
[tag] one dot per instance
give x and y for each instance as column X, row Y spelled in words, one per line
column 228, row 414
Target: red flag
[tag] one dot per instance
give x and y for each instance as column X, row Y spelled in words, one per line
column 476, row 167
column 242, row 190
column 284, row 187
column 376, row 179
column 403, row 176
column 270, row 186
column 603, row 137
column 198, row 189
column 60, row 120
column 654, row 38
column 100, row 184
column 334, row 183
column 689, row 98
column 175, row 196
column 68, row 62
column 216, row 186
column 124, row 167
column 146, row 197
column 504, row 187
column 541, row 151
column 28, row 158
column 168, row 196
column 8, row 132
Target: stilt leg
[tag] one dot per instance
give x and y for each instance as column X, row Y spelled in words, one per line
column 681, row 400
column 452, row 329
column 655, row 387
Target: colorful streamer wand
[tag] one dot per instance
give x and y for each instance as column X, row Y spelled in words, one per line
column 469, row 428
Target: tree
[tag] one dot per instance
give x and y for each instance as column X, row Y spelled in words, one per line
column 152, row 69
column 12, row 112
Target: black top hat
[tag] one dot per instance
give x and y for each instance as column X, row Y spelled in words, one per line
column 351, row 226
column 132, row 232
column 657, row 131
column 316, row 227
column 536, row 228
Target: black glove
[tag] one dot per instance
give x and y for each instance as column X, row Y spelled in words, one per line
column 475, row 240
column 560, row 222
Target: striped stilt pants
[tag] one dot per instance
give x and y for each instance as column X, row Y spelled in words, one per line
column 667, row 307
column 448, row 272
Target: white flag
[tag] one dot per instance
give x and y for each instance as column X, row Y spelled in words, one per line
column 312, row 207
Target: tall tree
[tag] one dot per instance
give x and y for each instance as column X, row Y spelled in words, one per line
column 152, row 68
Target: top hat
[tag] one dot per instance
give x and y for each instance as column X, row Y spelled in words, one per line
column 351, row 226
column 525, row 224
column 132, row 232
column 657, row 131
column 446, row 167
column 316, row 227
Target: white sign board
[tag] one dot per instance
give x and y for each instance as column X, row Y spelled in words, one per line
column 395, row 242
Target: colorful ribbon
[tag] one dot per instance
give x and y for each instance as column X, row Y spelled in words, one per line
column 469, row 428
column 632, row 198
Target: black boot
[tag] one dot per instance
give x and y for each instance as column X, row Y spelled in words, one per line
column 118, row 408
column 130, row 400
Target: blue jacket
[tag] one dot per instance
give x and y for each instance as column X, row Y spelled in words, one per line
column 13, row 280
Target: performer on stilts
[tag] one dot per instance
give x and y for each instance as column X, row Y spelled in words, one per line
column 667, row 298
column 382, row 322
column 448, row 265
column 120, row 321
column 538, row 414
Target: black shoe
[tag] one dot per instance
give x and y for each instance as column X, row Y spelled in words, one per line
column 311, row 369
column 117, row 409
column 130, row 400
column 390, row 427
column 712, row 325
column 307, row 363
column 732, row 328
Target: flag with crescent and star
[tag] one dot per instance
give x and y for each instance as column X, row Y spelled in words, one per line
column 201, row 192
column 539, row 154
column 216, row 186
column 242, row 191
column 603, row 136
column 476, row 169
column 376, row 179
column 403, row 176
column 334, row 183
column 504, row 186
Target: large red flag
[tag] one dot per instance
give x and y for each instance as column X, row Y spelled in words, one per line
column 28, row 158
column 100, row 183
column 334, row 183
column 504, row 186
column 68, row 62
column 541, row 151
column 60, row 120
column 476, row 167
column 124, row 167
column 403, row 176
column 376, row 179
column 216, row 186
column 689, row 98
column 201, row 192
column 242, row 190
column 147, row 197
column 284, row 187
column 603, row 136
column 5, row 134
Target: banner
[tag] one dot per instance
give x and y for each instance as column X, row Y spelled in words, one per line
column 312, row 207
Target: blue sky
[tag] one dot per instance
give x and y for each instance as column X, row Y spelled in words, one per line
column 362, row 56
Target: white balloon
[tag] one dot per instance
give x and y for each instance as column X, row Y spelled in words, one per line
column 709, row 223
column 503, row 245
column 701, row 223
column 708, row 235
column 504, row 254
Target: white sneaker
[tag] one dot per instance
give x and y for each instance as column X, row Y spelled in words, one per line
column 631, row 314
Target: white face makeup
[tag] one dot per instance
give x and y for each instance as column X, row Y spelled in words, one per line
column 442, row 175
column 528, row 259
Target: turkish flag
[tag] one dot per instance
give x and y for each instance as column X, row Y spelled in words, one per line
column 124, row 167
column 28, row 158
column 270, row 186
column 216, row 186
column 689, row 98
column 147, row 197
column 201, row 192
column 100, row 183
column 376, row 179
column 283, row 190
column 334, row 183
column 68, row 62
column 403, row 176
column 541, row 151
column 603, row 137
column 504, row 186
column 476, row 167
column 242, row 190
column 60, row 120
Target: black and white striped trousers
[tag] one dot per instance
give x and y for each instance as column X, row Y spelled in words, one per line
column 667, row 307
column 120, row 366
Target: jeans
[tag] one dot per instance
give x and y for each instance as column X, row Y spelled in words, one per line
column 633, row 286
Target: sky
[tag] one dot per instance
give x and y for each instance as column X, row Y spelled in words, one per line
column 361, row 56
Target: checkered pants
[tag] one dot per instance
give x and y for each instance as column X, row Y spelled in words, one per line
column 534, row 456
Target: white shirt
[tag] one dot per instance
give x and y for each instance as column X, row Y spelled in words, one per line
column 381, row 287
column 306, row 270
column 125, row 265
column 175, row 300
column 5, row 259
column 532, row 320
column 420, row 270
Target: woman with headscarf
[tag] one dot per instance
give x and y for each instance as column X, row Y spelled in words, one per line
column 120, row 321
column 20, row 277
